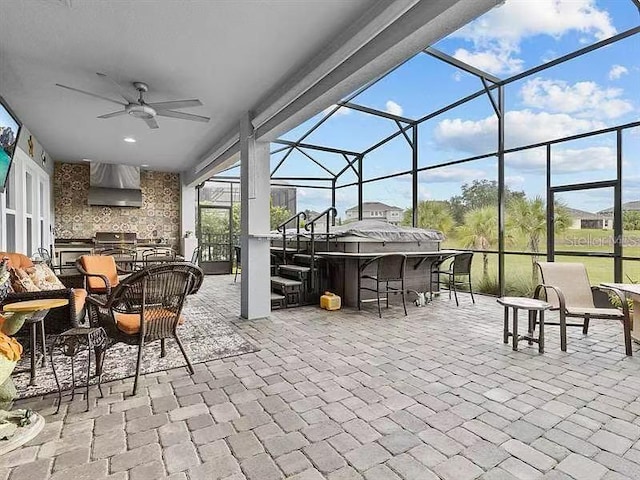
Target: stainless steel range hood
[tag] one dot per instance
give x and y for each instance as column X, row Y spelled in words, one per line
column 114, row 185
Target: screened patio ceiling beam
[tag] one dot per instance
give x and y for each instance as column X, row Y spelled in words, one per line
column 377, row 113
column 636, row 3
column 385, row 140
column 278, row 150
column 409, row 141
column 570, row 56
column 305, row 179
column 315, row 161
column 349, row 164
column 282, row 160
column 434, row 52
column 315, row 147
column 495, row 106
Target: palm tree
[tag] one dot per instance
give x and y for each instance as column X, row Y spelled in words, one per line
column 529, row 218
column 480, row 232
column 431, row 214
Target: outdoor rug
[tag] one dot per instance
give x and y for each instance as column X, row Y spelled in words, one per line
column 205, row 335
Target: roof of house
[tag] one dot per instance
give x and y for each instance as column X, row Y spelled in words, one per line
column 628, row 206
column 581, row 214
column 369, row 206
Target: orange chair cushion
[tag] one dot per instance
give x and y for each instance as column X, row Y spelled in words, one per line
column 79, row 296
column 102, row 265
column 129, row 323
column 17, row 260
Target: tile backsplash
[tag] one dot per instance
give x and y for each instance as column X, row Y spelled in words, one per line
column 160, row 209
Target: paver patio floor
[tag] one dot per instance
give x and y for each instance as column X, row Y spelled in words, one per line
column 346, row 395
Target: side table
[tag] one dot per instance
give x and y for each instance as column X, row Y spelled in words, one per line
column 533, row 306
column 31, row 312
column 72, row 342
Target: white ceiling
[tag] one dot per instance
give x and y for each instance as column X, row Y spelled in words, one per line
column 227, row 53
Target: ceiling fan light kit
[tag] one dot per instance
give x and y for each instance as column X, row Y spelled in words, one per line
column 140, row 108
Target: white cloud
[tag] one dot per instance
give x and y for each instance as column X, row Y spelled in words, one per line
column 457, row 76
column 393, row 108
column 586, row 99
column 340, row 111
column 617, row 71
column 453, row 173
column 493, row 60
column 522, row 127
column 564, row 161
column 496, row 36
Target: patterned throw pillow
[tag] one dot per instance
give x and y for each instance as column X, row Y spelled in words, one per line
column 44, row 278
column 21, row 282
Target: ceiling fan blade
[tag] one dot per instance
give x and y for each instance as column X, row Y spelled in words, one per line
column 151, row 122
column 176, row 104
column 91, row 94
column 121, row 90
column 114, row 114
column 182, row 116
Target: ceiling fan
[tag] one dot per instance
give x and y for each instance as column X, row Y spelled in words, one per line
column 140, row 108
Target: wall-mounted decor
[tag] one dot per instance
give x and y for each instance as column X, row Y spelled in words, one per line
column 31, row 145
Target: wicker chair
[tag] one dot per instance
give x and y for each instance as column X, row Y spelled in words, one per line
column 157, row 255
column 195, row 256
column 125, row 258
column 101, row 273
column 145, row 307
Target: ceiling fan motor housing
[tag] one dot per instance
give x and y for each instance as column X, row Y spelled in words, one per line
column 140, row 111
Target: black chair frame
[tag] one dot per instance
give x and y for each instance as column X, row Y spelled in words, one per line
column 382, row 279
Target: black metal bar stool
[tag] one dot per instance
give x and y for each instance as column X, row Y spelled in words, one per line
column 72, row 342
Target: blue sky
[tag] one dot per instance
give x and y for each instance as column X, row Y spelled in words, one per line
column 594, row 91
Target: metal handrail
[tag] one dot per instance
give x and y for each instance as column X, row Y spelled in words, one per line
column 282, row 228
column 310, row 226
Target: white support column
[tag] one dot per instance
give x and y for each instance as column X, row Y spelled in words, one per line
column 255, row 301
column 188, row 209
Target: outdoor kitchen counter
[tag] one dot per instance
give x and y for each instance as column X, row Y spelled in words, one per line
column 343, row 268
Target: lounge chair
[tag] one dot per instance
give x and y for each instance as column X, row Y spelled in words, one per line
column 566, row 286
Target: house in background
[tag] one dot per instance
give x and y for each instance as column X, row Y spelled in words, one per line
column 376, row 211
column 583, row 220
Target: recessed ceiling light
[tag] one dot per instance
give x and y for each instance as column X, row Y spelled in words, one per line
column 129, row 139
column 144, row 165
column 86, row 159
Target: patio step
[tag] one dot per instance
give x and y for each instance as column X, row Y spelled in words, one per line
column 277, row 301
column 288, row 287
column 296, row 272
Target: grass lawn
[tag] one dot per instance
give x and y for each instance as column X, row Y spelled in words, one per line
column 518, row 267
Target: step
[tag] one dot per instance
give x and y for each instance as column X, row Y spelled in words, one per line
column 294, row 271
column 284, row 282
column 277, row 301
column 289, row 288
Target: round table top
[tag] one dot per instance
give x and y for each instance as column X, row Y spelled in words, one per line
column 524, row 303
column 35, row 305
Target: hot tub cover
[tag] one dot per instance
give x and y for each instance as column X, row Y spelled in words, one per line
column 386, row 232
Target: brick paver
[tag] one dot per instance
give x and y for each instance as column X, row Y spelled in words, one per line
column 346, row 395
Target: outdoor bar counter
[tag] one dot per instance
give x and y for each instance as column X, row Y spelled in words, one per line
column 349, row 246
